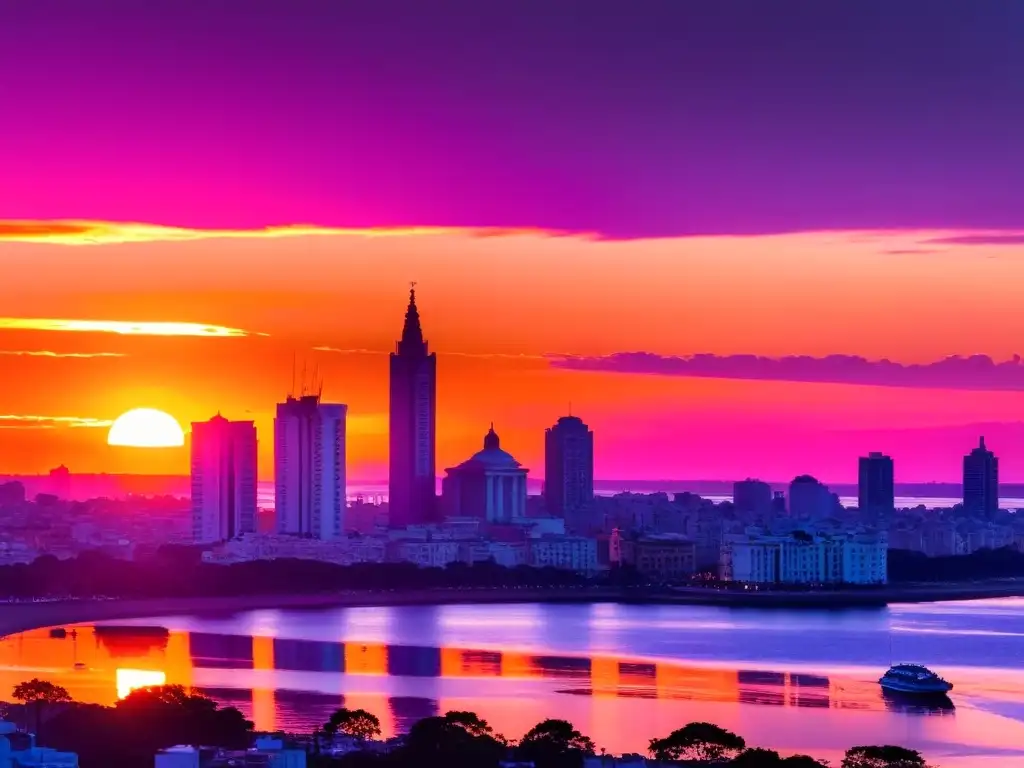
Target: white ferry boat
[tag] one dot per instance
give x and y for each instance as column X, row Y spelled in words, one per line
column 914, row 679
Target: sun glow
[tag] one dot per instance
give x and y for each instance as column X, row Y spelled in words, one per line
column 146, row 428
column 129, row 680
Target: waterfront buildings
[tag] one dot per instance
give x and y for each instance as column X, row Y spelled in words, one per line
column 875, row 486
column 659, row 557
column 802, row 558
column 223, row 479
column 810, row 499
column 412, row 425
column 568, row 466
column 752, row 497
column 981, row 482
column 490, row 485
column 309, row 467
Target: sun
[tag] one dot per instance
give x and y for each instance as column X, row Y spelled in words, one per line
column 146, row 428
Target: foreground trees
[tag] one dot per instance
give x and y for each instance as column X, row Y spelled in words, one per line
column 705, row 742
column 149, row 719
column 353, row 722
column 37, row 694
column 886, row 756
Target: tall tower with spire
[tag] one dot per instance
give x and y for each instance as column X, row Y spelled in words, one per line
column 413, row 425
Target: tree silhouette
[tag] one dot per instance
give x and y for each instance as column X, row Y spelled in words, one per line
column 353, row 722
column 885, row 756
column 802, row 761
column 471, row 722
column 697, row 741
column 457, row 740
column 555, row 743
column 39, row 693
column 757, row 758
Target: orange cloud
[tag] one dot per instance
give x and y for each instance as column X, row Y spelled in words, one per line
column 23, row 421
column 48, row 353
column 122, row 327
column 106, row 232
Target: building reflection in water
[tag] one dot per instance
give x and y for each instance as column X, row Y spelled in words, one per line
column 101, row 664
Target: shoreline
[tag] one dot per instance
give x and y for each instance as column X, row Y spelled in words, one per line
column 24, row 616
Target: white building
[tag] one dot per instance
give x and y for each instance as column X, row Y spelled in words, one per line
column 490, row 485
column 571, row 553
column 223, row 479
column 309, row 467
column 857, row 558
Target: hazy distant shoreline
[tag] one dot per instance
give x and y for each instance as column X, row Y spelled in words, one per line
column 21, row 617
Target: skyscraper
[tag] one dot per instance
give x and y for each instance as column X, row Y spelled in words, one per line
column 568, row 466
column 223, row 479
column 981, row 482
column 309, row 467
column 412, row 425
column 875, row 487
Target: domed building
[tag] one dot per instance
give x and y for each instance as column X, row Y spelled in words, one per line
column 490, row 485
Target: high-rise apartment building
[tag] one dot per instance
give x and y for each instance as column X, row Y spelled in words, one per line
column 309, row 467
column 412, row 476
column 876, row 490
column 223, row 479
column 568, row 466
column 981, row 482
column 810, row 499
column 752, row 497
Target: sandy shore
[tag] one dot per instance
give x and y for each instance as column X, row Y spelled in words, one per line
column 19, row 617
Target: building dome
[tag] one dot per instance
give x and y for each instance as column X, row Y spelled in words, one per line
column 492, row 455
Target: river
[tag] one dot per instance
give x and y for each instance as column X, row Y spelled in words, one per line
column 791, row 680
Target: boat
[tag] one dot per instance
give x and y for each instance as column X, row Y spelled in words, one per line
column 914, row 679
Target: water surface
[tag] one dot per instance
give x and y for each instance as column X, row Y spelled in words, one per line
column 791, row 680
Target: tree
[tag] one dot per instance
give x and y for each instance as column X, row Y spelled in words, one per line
column 353, row 722
column 457, row 740
column 471, row 722
column 555, row 743
column 886, row 756
column 697, row 741
column 802, row 761
column 39, row 693
column 757, row 758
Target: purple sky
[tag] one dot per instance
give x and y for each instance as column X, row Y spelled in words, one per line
column 648, row 117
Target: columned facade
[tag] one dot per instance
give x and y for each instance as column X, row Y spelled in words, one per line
column 490, row 486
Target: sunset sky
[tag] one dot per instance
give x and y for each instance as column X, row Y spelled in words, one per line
column 193, row 196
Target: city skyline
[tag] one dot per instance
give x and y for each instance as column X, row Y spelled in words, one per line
column 728, row 287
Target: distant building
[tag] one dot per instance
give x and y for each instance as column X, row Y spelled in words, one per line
column 571, row 553
column 412, row 475
column 309, row 467
column 752, row 497
column 857, row 558
column 223, row 479
column 981, row 482
column 568, row 466
column 810, row 499
column 490, row 485
column 664, row 557
column 875, row 487
column 12, row 493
